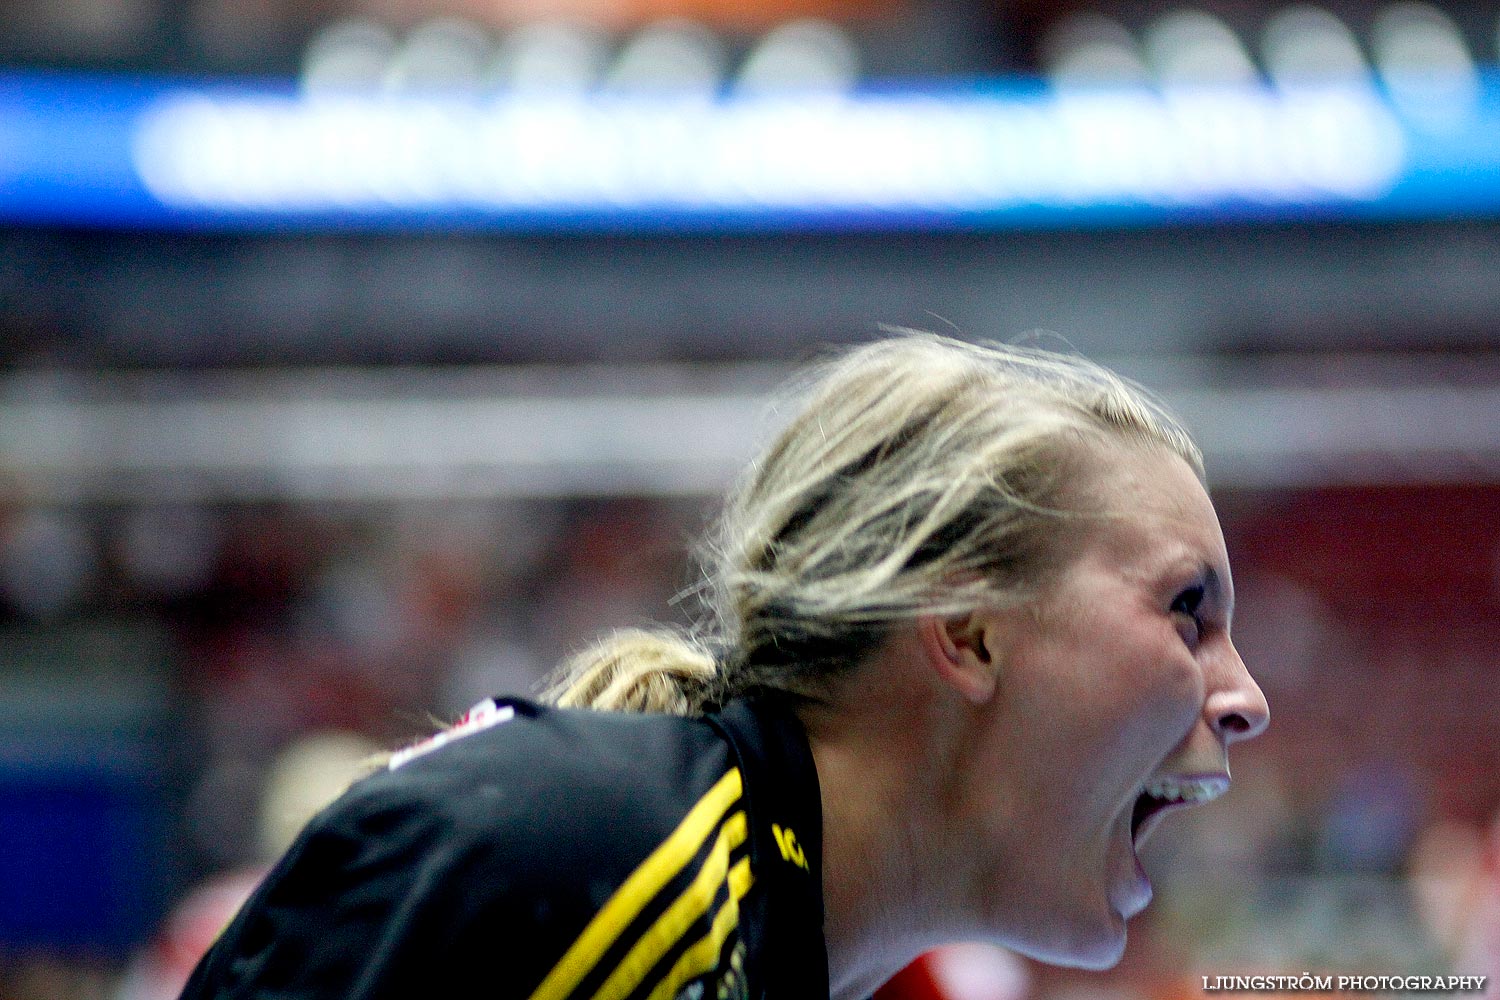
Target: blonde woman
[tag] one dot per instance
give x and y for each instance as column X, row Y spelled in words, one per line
column 970, row 639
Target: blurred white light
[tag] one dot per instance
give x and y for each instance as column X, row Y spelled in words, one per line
column 1193, row 47
column 979, row 972
column 404, row 433
column 168, row 550
column 1307, row 44
column 1093, row 49
column 549, row 57
column 671, row 56
column 46, row 561
column 444, row 54
column 306, row 776
column 1424, row 59
column 348, row 55
column 809, row 54
column 836, row 153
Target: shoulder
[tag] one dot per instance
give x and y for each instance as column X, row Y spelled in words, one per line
column 555, row 781
column 557, row 839
column 550, row 803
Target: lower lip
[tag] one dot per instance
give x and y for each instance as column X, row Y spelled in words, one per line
column 1144, row 891
column 1134, row 896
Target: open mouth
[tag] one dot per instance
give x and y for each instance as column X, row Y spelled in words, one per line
column 1161, row 795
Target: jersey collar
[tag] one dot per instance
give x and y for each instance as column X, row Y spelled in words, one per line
column 786, row 814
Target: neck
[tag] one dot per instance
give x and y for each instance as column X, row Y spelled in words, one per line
column 876, row 758
column 862, row 869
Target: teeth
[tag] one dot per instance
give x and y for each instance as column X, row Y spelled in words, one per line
column 1186, row 789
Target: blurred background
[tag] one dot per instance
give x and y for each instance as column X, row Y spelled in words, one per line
column 360, row 358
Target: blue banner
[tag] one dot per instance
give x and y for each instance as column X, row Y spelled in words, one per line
column 227, row 155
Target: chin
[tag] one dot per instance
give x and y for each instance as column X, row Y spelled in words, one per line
column 1097, row 960
column 1094, row 945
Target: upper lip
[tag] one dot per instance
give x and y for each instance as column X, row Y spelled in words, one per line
column 1165, row 792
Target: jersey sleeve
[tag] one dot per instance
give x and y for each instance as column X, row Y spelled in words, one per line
column 556, row 877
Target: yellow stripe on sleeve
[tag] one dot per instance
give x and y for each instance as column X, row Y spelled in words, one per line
column 640, row 888
column 685, row 911
column 700, row 958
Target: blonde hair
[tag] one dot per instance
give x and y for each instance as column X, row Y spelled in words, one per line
column 920, row 475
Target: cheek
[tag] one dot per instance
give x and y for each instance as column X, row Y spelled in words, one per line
column 1149, row 695
column 1095, row 710
column 1171, row 699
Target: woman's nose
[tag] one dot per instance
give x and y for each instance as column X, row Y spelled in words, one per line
column 1237, row 708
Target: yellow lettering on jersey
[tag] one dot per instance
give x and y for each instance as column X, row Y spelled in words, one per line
column 791, row 851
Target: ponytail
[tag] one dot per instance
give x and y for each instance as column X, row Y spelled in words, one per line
column 636, row 670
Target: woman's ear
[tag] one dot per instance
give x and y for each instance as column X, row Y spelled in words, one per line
column 958, row 654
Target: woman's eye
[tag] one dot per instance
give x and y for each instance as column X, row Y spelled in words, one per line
column 1187, row 604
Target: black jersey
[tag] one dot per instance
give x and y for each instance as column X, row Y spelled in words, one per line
column 554, row 855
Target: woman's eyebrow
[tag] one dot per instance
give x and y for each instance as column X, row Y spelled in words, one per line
column 1214, row 588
